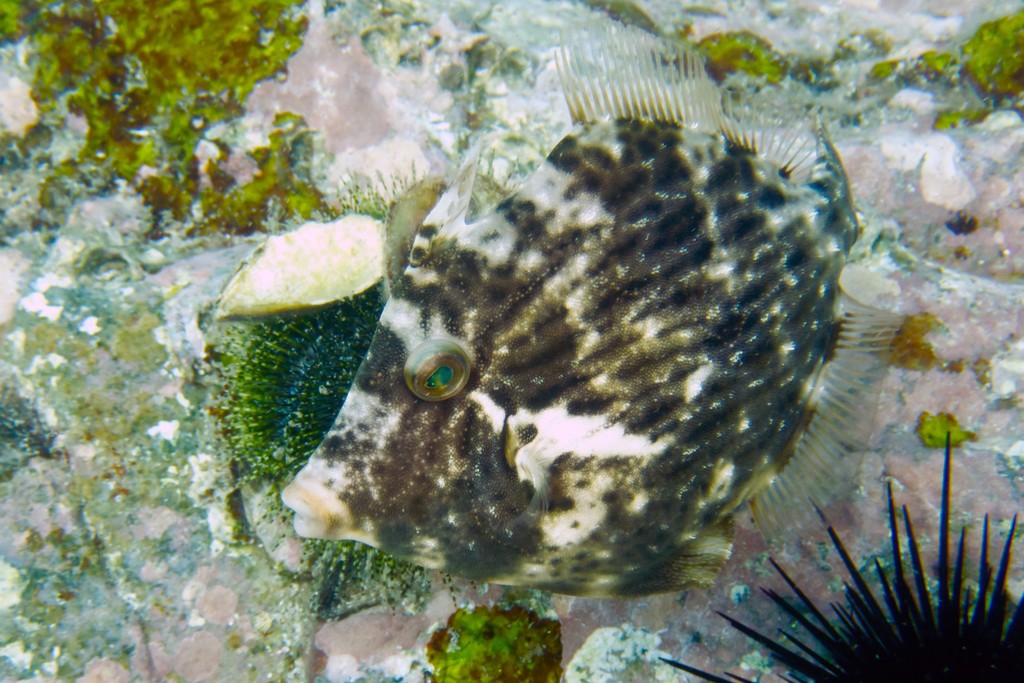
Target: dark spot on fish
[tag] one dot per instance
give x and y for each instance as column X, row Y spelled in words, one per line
column 741, row 227
column 822, row 188
column 770, row 198
column 624, row 183
column 652, row 414
column 589, row 405
column 795, row 258
column 564, row 156
column 388, row 352
column 562, row 504
column 523, row 214
column 526, row 434
column 725, row 174
column 670, row 170
column 549, row 391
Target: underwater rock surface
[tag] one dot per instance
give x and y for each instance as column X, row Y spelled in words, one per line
column 130, row 548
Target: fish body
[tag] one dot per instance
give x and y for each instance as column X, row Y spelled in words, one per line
column 639, row 331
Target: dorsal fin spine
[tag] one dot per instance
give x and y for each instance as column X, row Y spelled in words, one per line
column 611, row 71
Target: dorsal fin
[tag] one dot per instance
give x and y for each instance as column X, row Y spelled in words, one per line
column 841, row 408
column 448, row 217
column 613, row 71
column 617, row 72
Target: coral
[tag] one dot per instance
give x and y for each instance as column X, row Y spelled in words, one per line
column 933, row 429
column 728, row 53
column 994, row 57
column 285, row 380
column 496, row 644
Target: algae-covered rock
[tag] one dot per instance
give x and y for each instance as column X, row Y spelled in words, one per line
column 994, row 57
column 496, row 644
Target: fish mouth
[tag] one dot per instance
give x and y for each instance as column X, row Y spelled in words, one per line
column 319, row 513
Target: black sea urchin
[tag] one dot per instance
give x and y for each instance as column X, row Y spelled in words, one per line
column 910, row 633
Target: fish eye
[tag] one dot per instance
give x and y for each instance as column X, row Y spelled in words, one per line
column 437, row 369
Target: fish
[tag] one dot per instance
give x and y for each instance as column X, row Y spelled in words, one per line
column 578, row 389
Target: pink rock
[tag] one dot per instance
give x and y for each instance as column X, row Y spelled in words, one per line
column 104, row 671
column 217, row 604
column 198, row 657
column 150, row 661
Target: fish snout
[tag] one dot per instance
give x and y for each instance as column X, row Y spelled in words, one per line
column 319, row 512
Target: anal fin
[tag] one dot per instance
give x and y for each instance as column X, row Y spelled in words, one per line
column 840, row 413
column 694, row 564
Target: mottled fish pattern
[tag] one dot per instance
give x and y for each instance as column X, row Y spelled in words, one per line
column 645, row 319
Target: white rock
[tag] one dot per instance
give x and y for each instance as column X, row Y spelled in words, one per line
column 942, row 182
column 917, row 101
column 1001, row 120
column 314, row 265
column 867, row 286
column 12, row 267
column 10, row 586
column 902, row 152
column 18, row 111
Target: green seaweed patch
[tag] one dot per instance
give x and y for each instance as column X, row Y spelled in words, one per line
column 285, row 380
column 884, row 69
column 928, row 67
column 932, row 430
column 909, row 347
column 958, row 119
column 742, row 51
column 933, row 64
column 496, row 644
column 150, row 80
column 12, row 16
column 626, row 12
column 994, row 57
column 282, row 188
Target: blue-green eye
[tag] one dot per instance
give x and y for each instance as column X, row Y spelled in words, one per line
column 437, row 369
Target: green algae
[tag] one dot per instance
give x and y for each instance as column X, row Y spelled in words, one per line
column 958, row 119
column 11, row 20
column 742, row 51
column 150, row 82
column 884, row 69
column 625, row 12
column 933, row 429
column 994, row 57
column 929, row 67
column 282, row 185
column 496, row 644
